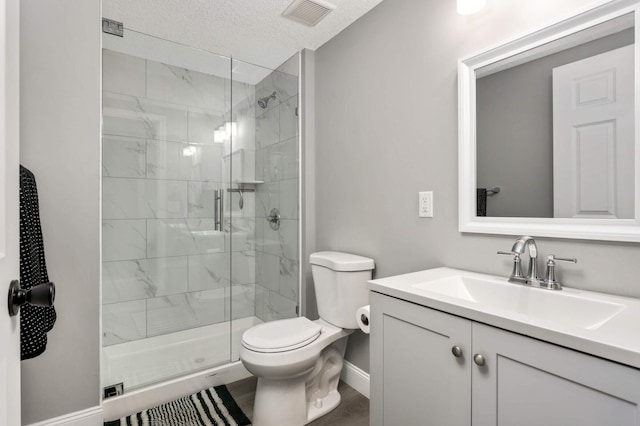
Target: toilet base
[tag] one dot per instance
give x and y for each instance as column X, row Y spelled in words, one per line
column 300, row 400
column 280, row 402
column 285, row 404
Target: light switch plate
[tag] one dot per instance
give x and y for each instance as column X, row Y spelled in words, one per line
column 425, row 204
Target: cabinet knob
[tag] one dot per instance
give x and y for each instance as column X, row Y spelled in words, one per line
column 478, row 359
column 456, row 351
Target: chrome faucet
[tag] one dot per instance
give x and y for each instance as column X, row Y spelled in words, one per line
column 523, row 243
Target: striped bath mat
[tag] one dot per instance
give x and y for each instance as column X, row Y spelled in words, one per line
column 210, row 407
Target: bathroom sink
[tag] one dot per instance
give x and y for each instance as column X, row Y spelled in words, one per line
column 567, row 307
column 600, row 324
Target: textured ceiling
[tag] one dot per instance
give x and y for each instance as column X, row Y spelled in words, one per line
column 249, row 30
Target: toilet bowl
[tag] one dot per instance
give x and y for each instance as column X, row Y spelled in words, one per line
column 298, row 361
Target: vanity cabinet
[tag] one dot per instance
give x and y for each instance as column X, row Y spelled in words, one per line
column 416, row 379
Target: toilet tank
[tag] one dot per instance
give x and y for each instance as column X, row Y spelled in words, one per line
column 340, row 282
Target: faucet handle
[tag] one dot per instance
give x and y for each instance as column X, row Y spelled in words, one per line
column 564, row 259
column 516, row 273
column 550, row 280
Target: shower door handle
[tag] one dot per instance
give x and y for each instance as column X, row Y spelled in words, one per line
column 221, row 211
column 218, row 214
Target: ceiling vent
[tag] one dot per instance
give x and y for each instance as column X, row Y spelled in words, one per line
column 308, row 12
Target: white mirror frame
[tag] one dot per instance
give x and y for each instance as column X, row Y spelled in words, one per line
column 591, row 229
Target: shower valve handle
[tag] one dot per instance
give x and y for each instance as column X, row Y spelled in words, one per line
column 274, row 219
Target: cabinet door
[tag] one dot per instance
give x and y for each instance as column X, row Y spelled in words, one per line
column 528, row 382
column 415, row 378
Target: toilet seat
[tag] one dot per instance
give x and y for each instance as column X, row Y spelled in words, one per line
column 281, row 336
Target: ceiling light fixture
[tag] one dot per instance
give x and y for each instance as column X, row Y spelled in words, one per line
column 469, row 7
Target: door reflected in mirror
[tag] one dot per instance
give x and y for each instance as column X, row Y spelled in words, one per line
column 555, row 128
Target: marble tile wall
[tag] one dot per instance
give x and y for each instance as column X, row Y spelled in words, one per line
column 165, row 268
column 277, row 263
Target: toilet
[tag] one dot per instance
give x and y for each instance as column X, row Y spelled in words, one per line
column 298, row 361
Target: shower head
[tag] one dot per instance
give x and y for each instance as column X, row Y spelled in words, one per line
column 263, row 102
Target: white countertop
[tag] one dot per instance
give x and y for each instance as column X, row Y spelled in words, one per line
column 617, row 339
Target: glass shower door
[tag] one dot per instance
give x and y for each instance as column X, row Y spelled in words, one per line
column 264, row 188
column 166, row 265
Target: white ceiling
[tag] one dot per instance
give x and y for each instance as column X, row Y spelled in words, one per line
column 249, row 30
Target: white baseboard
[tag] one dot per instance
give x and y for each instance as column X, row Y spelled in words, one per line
column 356, row 378
column 89, row 417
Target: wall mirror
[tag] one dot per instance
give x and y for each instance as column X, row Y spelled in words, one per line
column 548, row 144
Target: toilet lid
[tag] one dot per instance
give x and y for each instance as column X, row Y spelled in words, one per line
column 281, row 335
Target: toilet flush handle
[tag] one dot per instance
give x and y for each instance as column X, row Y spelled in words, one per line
column 364, row 319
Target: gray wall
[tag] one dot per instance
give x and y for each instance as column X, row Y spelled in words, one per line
column 60, row 144
column 386, row 128
column 515, row 129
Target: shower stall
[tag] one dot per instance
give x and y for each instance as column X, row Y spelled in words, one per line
column 200, row 190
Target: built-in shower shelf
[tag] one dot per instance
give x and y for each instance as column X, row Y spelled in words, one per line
column 249, row 182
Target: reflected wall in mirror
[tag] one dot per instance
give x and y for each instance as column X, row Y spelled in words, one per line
column 547, row 131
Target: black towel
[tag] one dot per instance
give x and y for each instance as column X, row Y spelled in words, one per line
column 481, row 201
column 35, row 321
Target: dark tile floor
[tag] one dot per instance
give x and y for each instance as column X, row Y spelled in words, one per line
column 352, row 411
